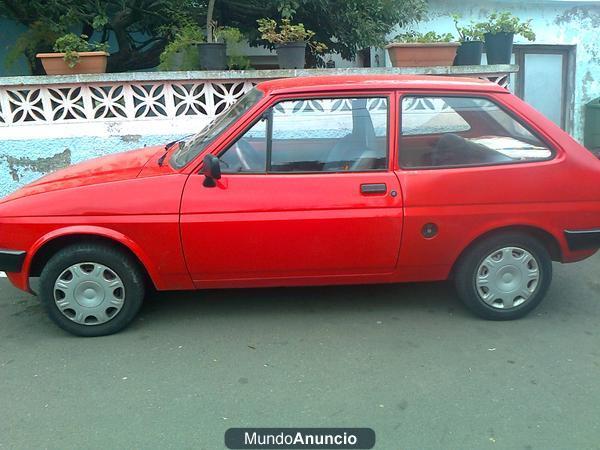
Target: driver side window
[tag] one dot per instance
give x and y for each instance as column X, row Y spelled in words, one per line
column 329, row 135
column 314, row 135
column 248, row 154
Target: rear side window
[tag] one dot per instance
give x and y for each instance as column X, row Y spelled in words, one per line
column 463, row 131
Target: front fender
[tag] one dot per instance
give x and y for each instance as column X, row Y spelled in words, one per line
column 21, row 279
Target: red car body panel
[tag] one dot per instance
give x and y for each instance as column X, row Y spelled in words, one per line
column 301, row 233
column 308, row 229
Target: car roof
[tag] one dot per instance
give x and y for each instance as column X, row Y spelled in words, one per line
column 346, row 82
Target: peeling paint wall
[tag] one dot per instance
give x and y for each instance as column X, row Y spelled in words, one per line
column 554, row 22
column 24, row 161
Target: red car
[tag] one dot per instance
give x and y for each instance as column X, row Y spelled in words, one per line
column 314, row 181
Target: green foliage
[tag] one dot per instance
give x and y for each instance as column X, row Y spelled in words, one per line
column 71, row 45
column 471, row 32
column 37, row 39
column 140, row 27
column 229, row 35
column 288, row 8
column 181, row 53
column 430, row 37
column 288, row 33
column 232, row 37
column 505, row 22
column 238, row 62
column 344, row 26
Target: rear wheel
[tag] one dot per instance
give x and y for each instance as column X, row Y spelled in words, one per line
column 92, row 289
column 504, row 277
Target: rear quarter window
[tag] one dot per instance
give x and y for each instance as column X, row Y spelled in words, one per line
column 453, row 131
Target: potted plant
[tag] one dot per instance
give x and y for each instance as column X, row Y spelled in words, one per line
column 414, row 49
column 499, row 32
column 471, row 44
column 74, row 54
column 290, row 42
column 181, row 53
column 233, row 37
column 213, row 54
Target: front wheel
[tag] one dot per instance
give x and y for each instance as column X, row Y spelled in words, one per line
column 504, row 277
column 91, row 289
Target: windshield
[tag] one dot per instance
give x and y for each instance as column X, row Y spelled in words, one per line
column 193, row 146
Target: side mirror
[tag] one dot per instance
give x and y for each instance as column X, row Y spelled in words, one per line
column 211, row 169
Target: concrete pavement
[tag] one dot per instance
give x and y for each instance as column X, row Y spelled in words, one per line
column 406, row 360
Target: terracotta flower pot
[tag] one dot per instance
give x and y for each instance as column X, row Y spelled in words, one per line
column 422, row 54
column 89, row 62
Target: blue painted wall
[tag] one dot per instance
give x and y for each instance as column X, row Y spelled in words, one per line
column 22, row 162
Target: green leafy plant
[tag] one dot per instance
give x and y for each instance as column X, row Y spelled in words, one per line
column 135, row 26
column 232, row 37
column 39, row 38
column 229, row 35
column 139, row 26
column 181, row 52
column 238, row 62
column 287, row 32
column 430, row 37
column 471, row 32
column 505, row 22
column 71, row 45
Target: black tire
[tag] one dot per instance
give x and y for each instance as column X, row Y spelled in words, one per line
column 470, row 261
column 121, row 263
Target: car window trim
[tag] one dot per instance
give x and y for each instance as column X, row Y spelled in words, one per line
column 218, row 136
column 523, row 122
column 269, row 136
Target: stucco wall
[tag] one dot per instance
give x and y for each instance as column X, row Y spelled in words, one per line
column 23, row 161
column 554, row 22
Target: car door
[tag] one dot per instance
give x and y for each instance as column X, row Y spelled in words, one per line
column 306, row 192
column 468, row 165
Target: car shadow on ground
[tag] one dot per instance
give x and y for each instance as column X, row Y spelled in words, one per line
column 354, row 304
column 388, row 299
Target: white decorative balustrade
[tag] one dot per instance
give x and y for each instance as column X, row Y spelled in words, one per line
column 155, row 103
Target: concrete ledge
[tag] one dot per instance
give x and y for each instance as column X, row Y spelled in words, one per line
column 256, row 74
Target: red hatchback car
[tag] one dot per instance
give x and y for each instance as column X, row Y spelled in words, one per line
column 314, row 181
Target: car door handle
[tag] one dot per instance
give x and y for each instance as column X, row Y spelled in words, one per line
column 373, row 188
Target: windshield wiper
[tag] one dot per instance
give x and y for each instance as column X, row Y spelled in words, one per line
column 168, row 147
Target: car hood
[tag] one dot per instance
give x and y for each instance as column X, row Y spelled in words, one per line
column 117, row 167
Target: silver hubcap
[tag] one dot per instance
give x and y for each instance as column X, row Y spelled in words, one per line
column 89, row 293
column 507, row 278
